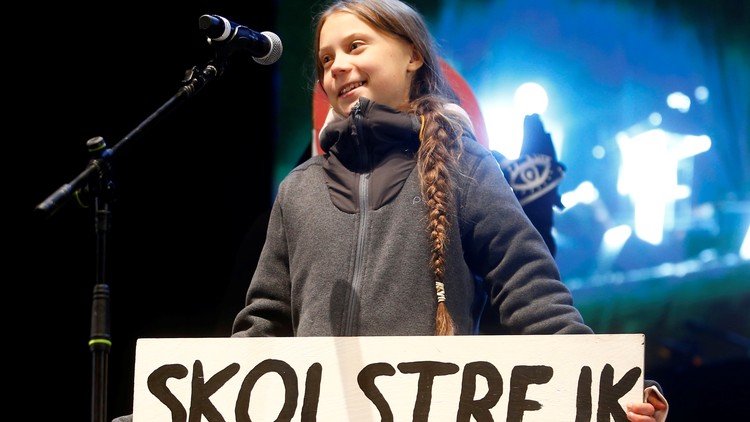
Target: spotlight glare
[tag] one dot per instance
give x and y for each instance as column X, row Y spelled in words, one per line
column 530, row 98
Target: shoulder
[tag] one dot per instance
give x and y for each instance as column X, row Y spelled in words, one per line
column 303, row 175
column 312, row 163
column 474, row 148
column 476, row 157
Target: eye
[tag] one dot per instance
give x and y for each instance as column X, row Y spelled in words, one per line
column 533, row 175
column 326, row 59
column 356, row 44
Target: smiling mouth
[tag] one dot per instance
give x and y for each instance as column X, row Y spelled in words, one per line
column 350, row 87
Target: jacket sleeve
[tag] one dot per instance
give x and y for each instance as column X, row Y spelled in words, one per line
column 267, row 310
column 520, row 276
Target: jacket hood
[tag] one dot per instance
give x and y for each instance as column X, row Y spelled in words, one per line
column 371, row 132
column 333, row 120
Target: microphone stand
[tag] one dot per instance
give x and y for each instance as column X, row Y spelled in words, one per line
column 94, row 181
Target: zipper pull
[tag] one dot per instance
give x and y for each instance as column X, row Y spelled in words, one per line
column 356, row 117
column 356, row 108
column 358, row 111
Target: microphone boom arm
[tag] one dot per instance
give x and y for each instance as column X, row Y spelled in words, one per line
column 195, row 79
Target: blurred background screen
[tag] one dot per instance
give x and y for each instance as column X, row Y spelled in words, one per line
column 646, row 103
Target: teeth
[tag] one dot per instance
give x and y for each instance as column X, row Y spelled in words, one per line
column 350, row 87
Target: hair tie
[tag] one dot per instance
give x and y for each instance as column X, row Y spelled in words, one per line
column 440, row 287
column 421, row 129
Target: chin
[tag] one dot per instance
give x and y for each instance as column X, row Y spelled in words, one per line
column 346, row 110
column 346, row 106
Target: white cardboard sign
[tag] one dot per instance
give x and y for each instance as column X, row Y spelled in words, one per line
column 544, row 378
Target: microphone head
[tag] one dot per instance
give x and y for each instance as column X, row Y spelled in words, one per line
column 274, row 53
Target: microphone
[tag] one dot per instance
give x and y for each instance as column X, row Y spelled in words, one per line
column 265, row 47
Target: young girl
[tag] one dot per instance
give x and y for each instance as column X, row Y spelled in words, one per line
column 405, row 220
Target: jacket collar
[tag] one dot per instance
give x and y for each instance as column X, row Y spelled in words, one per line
column 371, row 132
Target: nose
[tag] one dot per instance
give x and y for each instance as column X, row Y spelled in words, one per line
column 340, row 64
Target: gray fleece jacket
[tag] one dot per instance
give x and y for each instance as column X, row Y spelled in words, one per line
column 347, row 251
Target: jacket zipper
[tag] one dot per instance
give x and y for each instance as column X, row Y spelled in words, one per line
column 350, row 328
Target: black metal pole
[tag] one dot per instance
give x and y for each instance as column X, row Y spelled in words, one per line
column 101, row 191
column 100, row 341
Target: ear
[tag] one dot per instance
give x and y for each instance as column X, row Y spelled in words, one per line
column 415, row 61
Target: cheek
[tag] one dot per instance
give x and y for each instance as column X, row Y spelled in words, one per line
column 328, row 87
column 395, row 72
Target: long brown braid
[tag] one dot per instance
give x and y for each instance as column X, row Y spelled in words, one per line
column 441, row 130
column 437, row 154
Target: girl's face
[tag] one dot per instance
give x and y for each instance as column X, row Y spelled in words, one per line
column 360, row 61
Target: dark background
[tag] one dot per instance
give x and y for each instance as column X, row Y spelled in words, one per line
column 187, row 189
column 191, row 193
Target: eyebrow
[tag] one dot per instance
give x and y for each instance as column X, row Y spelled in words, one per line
column 349, row 38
